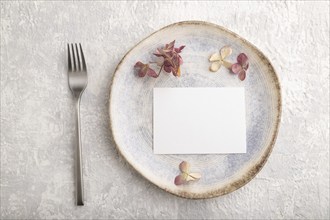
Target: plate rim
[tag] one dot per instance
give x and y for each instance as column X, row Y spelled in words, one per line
column 256, row 168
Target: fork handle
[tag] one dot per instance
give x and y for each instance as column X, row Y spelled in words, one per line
column 79, row 173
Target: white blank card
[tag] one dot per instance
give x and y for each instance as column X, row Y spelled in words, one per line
column 199, row 121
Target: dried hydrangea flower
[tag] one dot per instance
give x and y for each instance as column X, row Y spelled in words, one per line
column 171, row 58
column 218, row 59
column 144, row 69
column 168, row 58
column 241, row 66
column 185, row 175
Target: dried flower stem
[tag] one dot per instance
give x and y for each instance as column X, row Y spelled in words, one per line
column 160, row 69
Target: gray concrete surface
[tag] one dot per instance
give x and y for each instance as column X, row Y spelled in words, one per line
column 37, row 126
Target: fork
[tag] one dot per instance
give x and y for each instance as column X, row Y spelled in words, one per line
column 77, row 75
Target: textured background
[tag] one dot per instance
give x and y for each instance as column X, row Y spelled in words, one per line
column 37, row 127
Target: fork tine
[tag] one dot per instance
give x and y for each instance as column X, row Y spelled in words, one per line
column 82, row 58
column 74, row 59
column 69, row 59
column 78, row 58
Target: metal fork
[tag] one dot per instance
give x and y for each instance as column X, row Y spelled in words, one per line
column 77, row 74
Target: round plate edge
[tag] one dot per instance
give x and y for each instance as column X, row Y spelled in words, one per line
column 253, row 171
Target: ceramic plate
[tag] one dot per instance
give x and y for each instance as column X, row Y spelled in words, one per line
column 131, row 109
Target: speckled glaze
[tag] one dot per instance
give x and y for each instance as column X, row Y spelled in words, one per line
column 131, row 109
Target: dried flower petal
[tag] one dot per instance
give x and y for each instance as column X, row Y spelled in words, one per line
column 159, row 61
column 184, row 167
column 180, row 179
column 178, row 50
column 178, row 73
column 227, row 64
column 167, row 67
column 180, row 60
column 144, row 69
column 215, row 57
column 193, row 176
column 158, row 53
column 169, row 46
column 152, row 73
column 225, row 52
column 242, row 75
column 236, row 68
column 215, row 66
column 242, row 59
